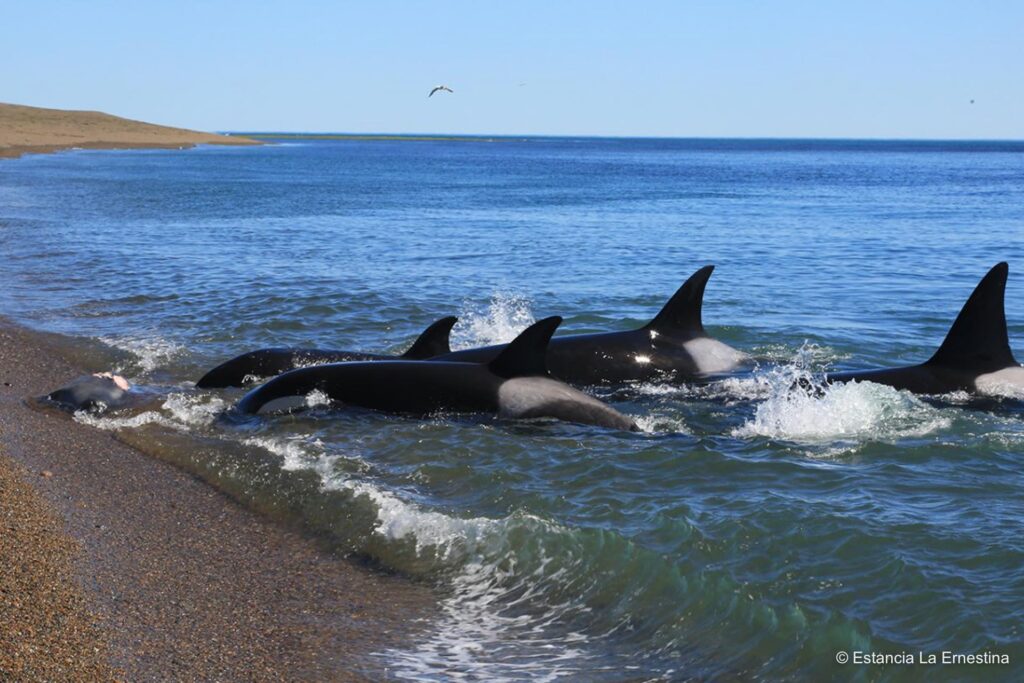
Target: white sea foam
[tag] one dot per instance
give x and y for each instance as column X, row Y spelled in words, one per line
column 473, row 638
column 194, row 410
column 448, row 537
column 317, row 398
column 135, row 421
column 297, row 453
column 483, row 634
column 1013, row 440
column 661, row 423
column 504, row 317
column 660, row 389
column 800, row 407
column 809, row 353
column 147, row 353
column 178, row 411
column 396, row 519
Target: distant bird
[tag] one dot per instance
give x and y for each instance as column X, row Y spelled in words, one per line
column 443, row 88
column 972, row 101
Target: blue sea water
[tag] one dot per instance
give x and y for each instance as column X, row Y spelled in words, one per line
column 748, row 531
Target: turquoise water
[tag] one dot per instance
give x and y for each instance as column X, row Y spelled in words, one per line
column 747, row 531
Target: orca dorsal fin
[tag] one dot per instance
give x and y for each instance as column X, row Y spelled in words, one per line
column 978, row 338
column 433, row 341
column 682, row 312
column 526, row 355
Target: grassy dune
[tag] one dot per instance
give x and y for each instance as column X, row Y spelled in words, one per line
column 33, row 130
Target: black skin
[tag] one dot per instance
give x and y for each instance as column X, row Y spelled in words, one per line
column 917, row 379
column 410, row 387
column 515, row 384
column 977, row 344
column 605, row 358
column 653, row 352
column 423, row 388
column 271, row 362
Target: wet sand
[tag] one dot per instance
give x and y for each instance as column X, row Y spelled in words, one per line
column 174, row 580
column 35, row 130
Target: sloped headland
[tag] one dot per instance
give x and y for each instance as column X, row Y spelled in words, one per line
column 35, row 130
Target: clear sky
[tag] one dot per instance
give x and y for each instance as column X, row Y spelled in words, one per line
column 857, row 68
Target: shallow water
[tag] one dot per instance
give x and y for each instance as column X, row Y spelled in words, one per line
column 747, row 530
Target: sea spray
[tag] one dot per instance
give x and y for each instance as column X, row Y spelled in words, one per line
column 500, row 321
column 144, row 354
column 800, row 406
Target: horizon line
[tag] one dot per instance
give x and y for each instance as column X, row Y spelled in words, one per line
column 450, row 136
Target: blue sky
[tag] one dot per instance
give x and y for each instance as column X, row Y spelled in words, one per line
column 782, row 69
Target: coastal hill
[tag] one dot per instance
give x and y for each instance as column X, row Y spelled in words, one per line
column 28, row 130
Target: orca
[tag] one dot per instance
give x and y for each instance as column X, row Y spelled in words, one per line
column 673, row 346
column 514, row 384
column 975, row 356
column 240, row 370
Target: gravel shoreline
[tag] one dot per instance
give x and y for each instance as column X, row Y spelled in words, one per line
column 177, row 581
column 47, row 631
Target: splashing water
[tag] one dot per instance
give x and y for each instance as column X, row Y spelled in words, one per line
column 145, row 354
column 661, row 422
column 317, row 398
column 800, row 406
column 505, row 316
column 193, row 410
column 565, row 552
column 178, row 411
column 115, row 423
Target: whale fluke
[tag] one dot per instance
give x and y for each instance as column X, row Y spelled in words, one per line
column 978, row 339
column 433, row 342
column 682, row 312
column 526, row 355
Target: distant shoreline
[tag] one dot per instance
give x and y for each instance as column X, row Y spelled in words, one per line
column 698, row 140
column 390, row 137
column 35, row 130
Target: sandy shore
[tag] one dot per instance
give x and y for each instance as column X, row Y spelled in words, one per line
column 34, row 130
column 47, row 631
column 153, row 575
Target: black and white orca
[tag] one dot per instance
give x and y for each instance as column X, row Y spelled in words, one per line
column 672, row 347
column 263, row 363
column 514, row 384
column 975, row 356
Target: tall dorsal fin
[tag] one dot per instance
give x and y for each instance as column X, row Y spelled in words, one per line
column 978, row 338
column 433, row 341
column 526, row 355
column 682, row 312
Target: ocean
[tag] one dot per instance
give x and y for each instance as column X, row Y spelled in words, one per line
column 749, row 530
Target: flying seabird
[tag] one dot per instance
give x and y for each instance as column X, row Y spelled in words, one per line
column 445, row 88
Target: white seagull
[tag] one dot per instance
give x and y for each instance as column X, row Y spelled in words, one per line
column 444, row 88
